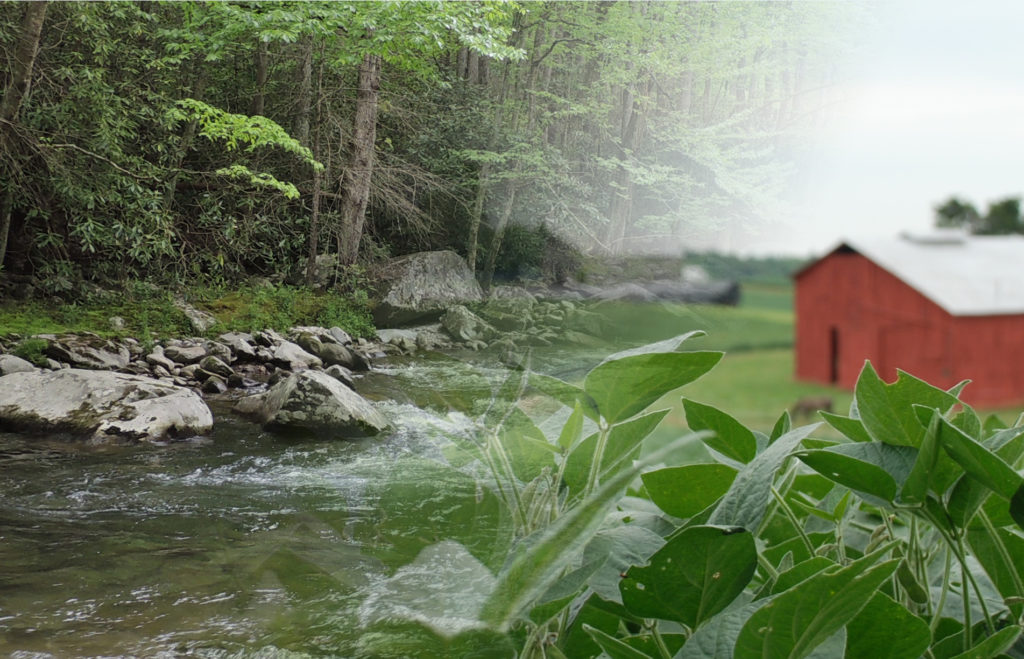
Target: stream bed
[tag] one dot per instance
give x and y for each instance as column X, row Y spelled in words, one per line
column 243, row 543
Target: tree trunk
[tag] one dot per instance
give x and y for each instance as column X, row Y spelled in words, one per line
column 20, row 79
column 499, row 235
column 305, row 91
column 475, row 217
column 259, row 98
column 183, row 145
column 355, row 181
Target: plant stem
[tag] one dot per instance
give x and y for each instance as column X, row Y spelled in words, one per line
column 659, row 641
column 793, row 520
column 937, row 616
column 595, row 463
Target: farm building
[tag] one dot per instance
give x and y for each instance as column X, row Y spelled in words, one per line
column 944, row 307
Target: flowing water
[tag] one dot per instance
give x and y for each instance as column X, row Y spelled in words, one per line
column 246, row 544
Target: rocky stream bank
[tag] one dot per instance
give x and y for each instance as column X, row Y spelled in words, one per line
column 304, row 380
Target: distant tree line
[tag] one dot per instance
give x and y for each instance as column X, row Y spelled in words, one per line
column 183, row 141
column 1002, row 217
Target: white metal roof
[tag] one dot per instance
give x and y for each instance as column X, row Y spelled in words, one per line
column 965, row 275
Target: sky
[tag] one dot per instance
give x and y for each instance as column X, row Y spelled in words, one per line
column 930, row 105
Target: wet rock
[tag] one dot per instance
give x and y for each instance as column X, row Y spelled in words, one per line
column 184, row 354
column 463, row 325
column 335, row 353
column 310, row 343
column 419, row 287
column 219, row 350
column 215, row 366
column 88, row 351
column 290, row 356
column 340, row 335
column 214, row 385
column 100, row 405
column 14, row 364
column 240, row 344
column 313, row 401
column 157, row 358
column 341, row 374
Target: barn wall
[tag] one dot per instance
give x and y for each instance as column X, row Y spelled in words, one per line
column 878, row 317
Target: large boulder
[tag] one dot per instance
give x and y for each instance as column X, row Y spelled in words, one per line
column 100, row 405
column 314, row 402
column 14, row 364
column 87, row 351
column 463, row 325
column 419, row 287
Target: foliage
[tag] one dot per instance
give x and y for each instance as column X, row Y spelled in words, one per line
column 1002, row 217
column 32, row 350
column 280, row 307
column 898, row 537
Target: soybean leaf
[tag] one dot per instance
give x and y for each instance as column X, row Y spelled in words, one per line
column 506, row 399
column 626, row 386
column 565, row 393
column 781, row 427
column 672, row 344
column 529, row 452
column 915, row 487
column 993, row 645
column 968, row 494
column 884, row 629
column 564, row 591
column 694, row 576
column 748, row 496
column 717, row 637
column 622, row 447
column 531, row 572
column 887, row 409
column 612, row 646
column 799, row 573
column 793, row 623
column 621, row 547
column 871, row 468
column 573, row 429
column 1002, row 555
column 732, row 439
column 848, row 426
column 685, row 491
column 979, row 462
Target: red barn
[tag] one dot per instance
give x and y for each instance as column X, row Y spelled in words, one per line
column 944, row 307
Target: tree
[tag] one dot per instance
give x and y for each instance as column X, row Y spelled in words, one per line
column 1002, row 217
column 955, row 213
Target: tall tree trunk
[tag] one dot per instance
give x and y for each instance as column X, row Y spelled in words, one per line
column 499, row 235
column 305, row 91
column 184, row 144
column 20, row 79
column 259, row 99
column 302, row 134
column 355, row 180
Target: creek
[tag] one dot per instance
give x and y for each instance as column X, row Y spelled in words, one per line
column 243, row 543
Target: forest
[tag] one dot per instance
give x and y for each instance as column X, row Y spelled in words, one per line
column 185, row 143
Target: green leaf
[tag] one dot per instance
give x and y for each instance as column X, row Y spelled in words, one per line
column 887, row 409
column 979, row 462
column 622, row 447
column 717, row 637
column 1002, row 555
column 800, row 573
column 621, row 547
column 968, row 494
column 994, row 645
column 848, row 426
column 793, row 623
column 693, row 577
column 732, row 439
column 685, row 491
column 915, row 487
column 871, row 468
column 626, row 386
column 612, row 646
column 781, row 427
column 533, row 571
column 573, row 429
column 885, row 629
column 564, row 591
column 748, row 496
column 565, row 393
column 672, row 344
